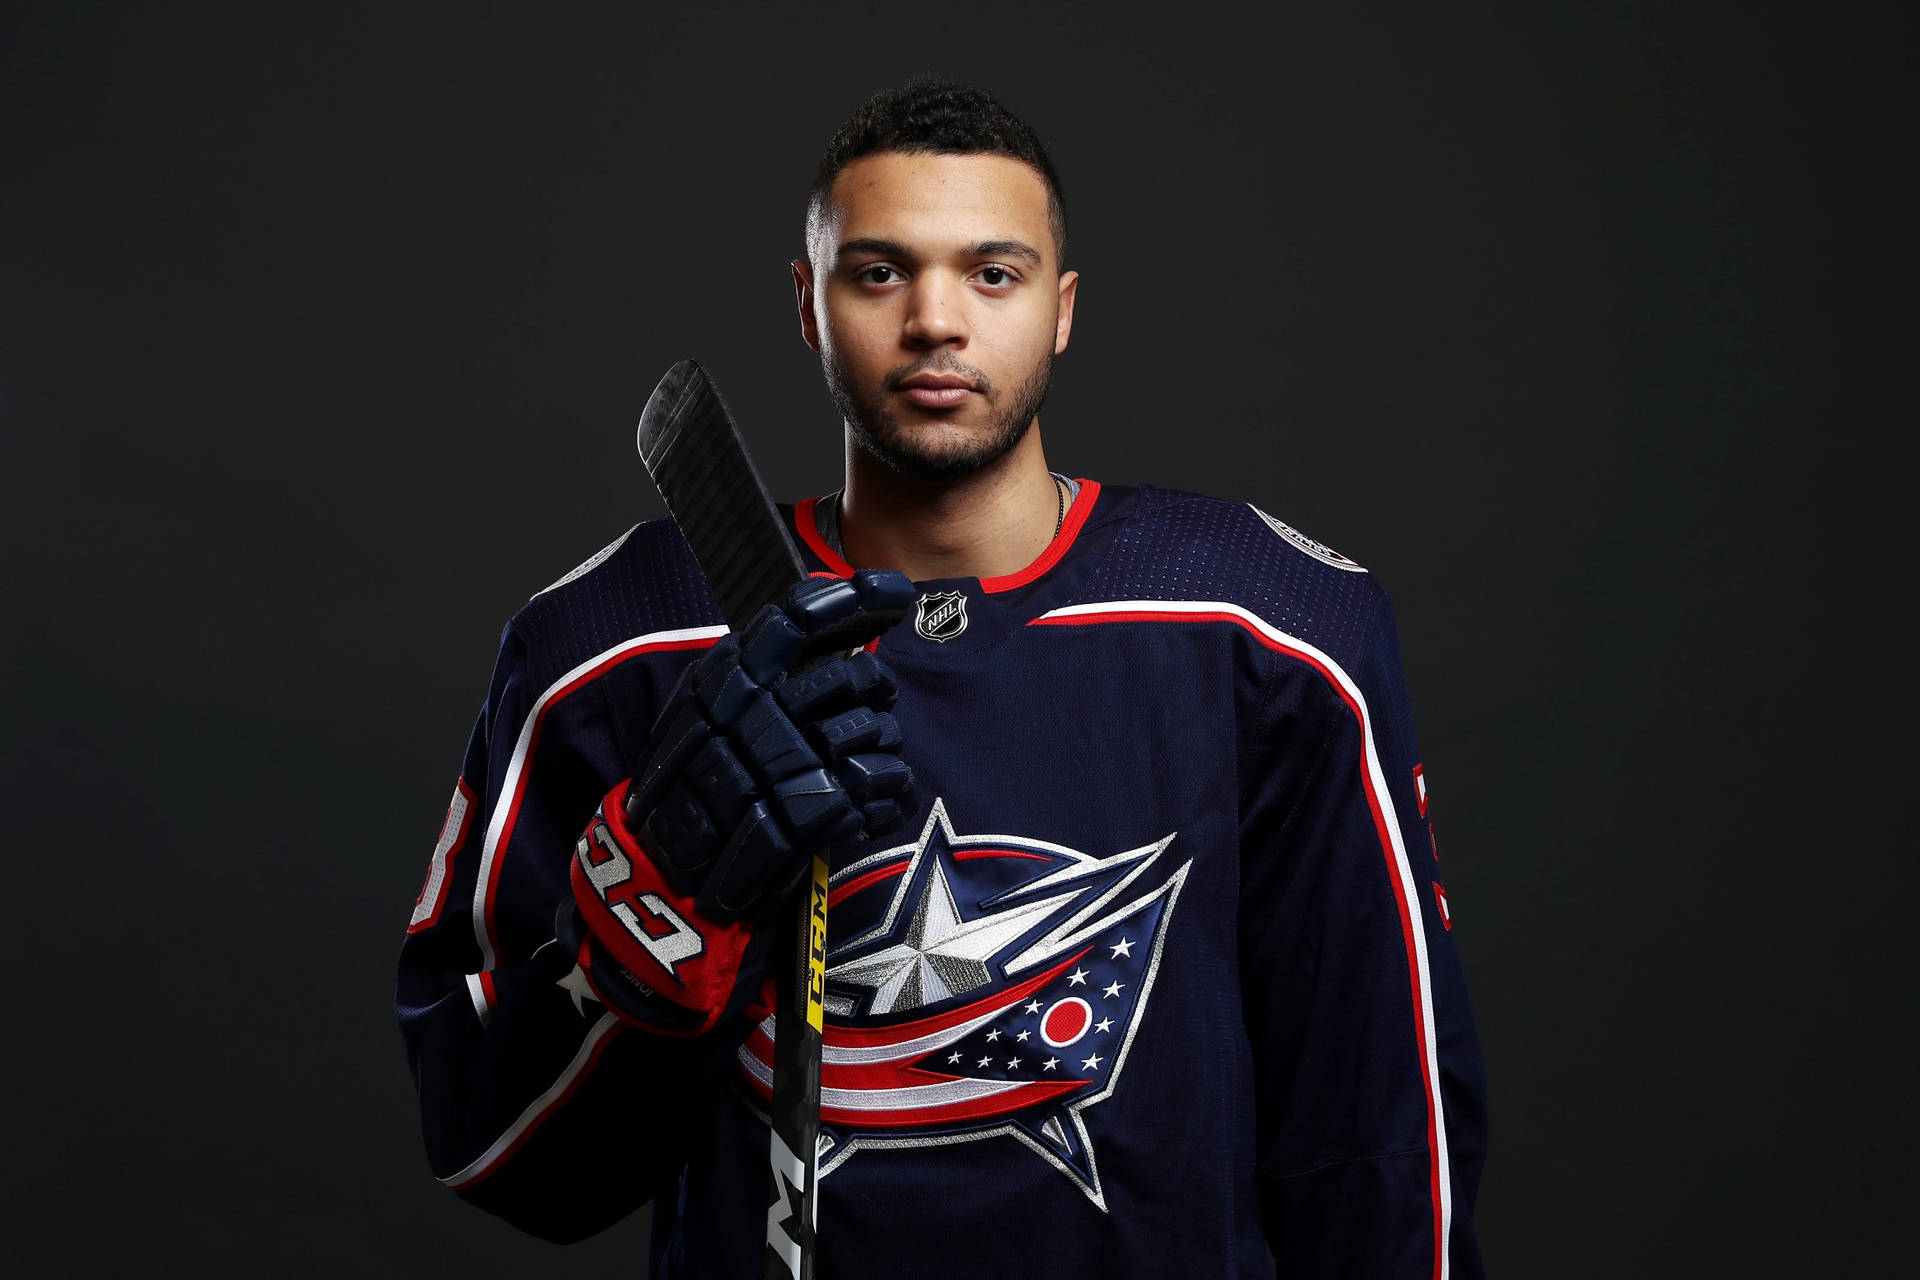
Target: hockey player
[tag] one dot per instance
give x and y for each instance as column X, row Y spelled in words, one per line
column 1139, row 960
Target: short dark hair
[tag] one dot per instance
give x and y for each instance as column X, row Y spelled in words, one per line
column 930, row 115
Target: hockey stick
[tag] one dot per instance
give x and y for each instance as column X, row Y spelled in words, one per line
column 694, row 453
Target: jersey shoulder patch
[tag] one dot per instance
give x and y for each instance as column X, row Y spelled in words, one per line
column 1318, row 550
column 591, row 563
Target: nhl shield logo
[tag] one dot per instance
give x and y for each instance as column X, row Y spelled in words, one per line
column 942, row 615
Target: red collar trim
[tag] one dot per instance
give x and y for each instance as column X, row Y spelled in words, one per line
column 1062, row 541
column 809, row 529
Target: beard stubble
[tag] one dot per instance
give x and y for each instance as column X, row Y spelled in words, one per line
column 877, row 429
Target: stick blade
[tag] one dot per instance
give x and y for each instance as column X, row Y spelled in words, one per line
column 692, row 449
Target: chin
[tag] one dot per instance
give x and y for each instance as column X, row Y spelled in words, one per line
column 936, row 451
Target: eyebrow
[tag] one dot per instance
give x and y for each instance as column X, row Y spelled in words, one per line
column 869, row 244
column 1005, row 249
column 894, row 249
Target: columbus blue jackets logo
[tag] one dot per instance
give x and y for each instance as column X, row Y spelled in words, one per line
column 941, row 615
column 983, row 987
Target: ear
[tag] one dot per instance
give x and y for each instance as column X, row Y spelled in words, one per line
column 803, row 297
column 1063, row 325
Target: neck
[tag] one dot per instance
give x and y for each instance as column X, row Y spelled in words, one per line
column 993, row 522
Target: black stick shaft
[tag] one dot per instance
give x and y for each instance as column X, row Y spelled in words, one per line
column 694, row 452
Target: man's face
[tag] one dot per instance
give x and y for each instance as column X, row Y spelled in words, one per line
column 935, row 298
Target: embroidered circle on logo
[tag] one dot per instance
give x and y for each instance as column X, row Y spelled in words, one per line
column 1065, row 1022
column 941, row 615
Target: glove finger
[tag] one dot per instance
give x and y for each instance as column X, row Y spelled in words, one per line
column 841, row 614
column 768, row 743
column 884, row 789
column 759, row 858
column 682, row 689
column 724, row 785
column 906, row 802
column 872, row 682
column 815, row 809
column 835, row 685
column 819, row 603
column 884, row 591
column 769, row 644
column 854, row 732
column 874, row 776
column 725, row 690
column 721, row 657
column 678, row 735
column 878, row 817
column 817, row 691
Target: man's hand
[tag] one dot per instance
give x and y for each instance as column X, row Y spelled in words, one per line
column 753, row 770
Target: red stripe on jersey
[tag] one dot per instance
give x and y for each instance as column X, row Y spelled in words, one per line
column 968, row 855
column 864, row 881
column 1401, row 904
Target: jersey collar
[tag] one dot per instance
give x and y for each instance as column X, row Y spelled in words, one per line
column 807, row 525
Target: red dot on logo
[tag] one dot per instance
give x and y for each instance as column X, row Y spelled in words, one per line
column 1065, row 1022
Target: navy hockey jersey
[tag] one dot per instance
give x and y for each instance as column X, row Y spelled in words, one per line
column 1158, row 978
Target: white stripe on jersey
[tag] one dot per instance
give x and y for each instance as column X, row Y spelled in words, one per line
column 537, row 1110
column 1376, row 783
column 477, row 993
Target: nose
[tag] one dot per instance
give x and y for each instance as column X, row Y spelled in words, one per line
column 936, row 313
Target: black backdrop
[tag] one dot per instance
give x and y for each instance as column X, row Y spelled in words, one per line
column 323, row 333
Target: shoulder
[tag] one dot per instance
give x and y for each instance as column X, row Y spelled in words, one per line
column 643, row 588
column 1201, row 553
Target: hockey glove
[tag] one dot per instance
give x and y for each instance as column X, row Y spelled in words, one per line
column 753, row 769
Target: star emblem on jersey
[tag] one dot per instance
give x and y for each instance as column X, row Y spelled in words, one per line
column 575, row 984
column 949, row 949
column 941, row 615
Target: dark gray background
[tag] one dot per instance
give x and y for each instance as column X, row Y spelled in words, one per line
column 323, row 333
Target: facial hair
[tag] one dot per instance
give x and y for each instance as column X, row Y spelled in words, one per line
column 876, row 428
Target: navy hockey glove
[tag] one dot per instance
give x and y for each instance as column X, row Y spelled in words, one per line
column 753, row 770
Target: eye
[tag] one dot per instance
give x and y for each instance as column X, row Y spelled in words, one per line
column 995, row 277
column 878, row 273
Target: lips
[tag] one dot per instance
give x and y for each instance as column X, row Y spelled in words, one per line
column 937, row 397
column 937, row 390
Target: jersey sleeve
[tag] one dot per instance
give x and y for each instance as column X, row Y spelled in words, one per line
column 537, row 1103
column 1370, row 1101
